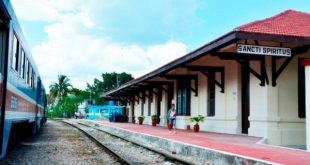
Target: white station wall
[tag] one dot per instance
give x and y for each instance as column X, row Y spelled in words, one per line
column 273, row 110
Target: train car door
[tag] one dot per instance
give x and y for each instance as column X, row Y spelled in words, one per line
column 38, row 96
column 4, row 42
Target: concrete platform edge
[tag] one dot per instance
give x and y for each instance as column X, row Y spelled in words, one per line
column 185, row 149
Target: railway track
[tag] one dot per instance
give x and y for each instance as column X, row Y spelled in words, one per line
column 106, row 149
column 125, row 151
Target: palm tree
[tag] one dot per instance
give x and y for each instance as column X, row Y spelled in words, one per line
column 60, row 89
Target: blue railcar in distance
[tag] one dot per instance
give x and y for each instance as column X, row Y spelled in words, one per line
column 105, row 112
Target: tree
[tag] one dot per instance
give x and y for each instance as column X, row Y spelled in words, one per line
column 109, row 81
column 63, row 105
column 60, row 89
column 60, row 103
column 79, row 93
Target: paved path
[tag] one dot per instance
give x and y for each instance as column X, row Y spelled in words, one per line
column 236, row 144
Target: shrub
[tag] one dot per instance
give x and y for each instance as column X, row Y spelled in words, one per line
column 154, row 117
column 141, row 118
column 197, row 119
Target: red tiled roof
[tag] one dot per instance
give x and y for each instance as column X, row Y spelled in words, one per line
column 287, row 23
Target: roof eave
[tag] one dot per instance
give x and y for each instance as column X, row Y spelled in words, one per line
column 227, row 38
column 213, row 46
column 272, row 37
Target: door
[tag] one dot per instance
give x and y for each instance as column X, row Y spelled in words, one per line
column 159, row 97
column 211, row 95
column 133, row 108
column 4, row 42
column 245, row 99
column 170, row 96
column 301, row 89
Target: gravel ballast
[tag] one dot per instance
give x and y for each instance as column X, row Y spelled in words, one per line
column 58, row 143
column 132, row 153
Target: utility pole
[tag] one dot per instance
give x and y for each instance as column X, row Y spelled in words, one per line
column 117, row 84
column 90, row 97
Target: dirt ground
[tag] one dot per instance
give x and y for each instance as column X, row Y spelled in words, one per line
column 57, row 143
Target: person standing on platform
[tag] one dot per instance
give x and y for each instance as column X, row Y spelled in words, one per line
column 168, row 115
column 172, row 117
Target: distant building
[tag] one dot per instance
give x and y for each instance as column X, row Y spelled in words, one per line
column 83, row 106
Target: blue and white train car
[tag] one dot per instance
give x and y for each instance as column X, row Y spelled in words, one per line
column 22, row 95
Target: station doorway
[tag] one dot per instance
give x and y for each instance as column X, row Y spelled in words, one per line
column 245, row 99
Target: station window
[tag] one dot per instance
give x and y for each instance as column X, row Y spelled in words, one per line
column 211, row 95
column 15, row 53
column 22, row 64
column 183, row 97
column 301, row 91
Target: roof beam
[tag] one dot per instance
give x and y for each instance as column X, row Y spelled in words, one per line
column 234, row 56
column 206, row 70
column 295, row 51
column 185, row 76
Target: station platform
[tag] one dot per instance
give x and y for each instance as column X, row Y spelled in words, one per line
column 237, row 146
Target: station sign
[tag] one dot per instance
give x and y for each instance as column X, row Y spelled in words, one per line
column 264, row 50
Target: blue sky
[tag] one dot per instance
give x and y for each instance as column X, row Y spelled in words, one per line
column 130, row 35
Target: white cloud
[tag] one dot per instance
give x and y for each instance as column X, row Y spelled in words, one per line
column 84, row 57
column 45, row 10
column 72, row 49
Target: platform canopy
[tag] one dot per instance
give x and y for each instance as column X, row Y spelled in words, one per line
column 281, row 36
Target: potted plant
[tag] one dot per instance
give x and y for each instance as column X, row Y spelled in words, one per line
column 133, row 120
column 154, row 120
column 125, row 118
column 197, row 119
column 141, row 118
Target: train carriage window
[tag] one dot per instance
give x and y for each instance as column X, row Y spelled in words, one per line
column 26, row 70
column 33, row 80
column 22, row 64
column 15, row 53
column 29, row 75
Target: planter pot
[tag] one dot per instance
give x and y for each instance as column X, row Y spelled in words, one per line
column 196, row 128
column 140, row 122
column 170, row 126
column 154, row 122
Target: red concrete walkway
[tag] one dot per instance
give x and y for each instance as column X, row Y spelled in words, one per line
column 236, row 144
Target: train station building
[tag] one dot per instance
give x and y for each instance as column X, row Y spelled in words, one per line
column 253, row 80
